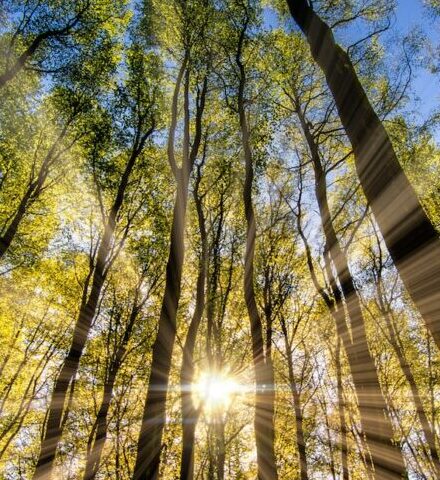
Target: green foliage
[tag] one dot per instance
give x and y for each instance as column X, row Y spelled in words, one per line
column 89, row 100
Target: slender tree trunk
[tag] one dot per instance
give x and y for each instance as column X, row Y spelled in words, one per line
column 329, row 439
column 431, row 383
column 54, row 427
column 153, row 420
column 426, row 425
column 408, row 233
column 299, row 428
column 98, row 434
column 264, row 375
column 341, row 412
column 220, row 447
column 376, row 423
column 190, row 414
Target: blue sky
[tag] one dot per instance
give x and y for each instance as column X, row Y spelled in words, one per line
column 412, row 14
column 409, row 15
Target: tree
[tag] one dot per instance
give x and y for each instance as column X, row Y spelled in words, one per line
column 141, row 116
column 150, row 437
column 261, row 350
column 190, row 412
column 45, row 36
column 414, row 245
column 193, row 283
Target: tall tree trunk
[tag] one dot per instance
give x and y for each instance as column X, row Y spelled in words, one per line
column 299, row 427
column 341, row 412
column 97, row 437
column 220, row 445
column 264, row 375
column 408, row 233
column 330, row 445
column 386, row 456
column 190, row 414
column 153, row 420
column 54, row 426
column 395, row 342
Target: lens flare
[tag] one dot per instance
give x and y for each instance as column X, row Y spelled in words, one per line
column 215, row 391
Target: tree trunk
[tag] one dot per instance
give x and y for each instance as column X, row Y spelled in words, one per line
column 190, row 413
column 264, row 375
column 341, row 412
column 98, row 434
column 299, row 428
column 386, row 456
column 153, row 420
column 54, row 427
column 408, row 233
column 330, row 445
column 220, row 445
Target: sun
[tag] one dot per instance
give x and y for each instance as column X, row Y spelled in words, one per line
column 215, row 391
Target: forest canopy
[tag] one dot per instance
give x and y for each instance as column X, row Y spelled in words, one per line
column 219, row 239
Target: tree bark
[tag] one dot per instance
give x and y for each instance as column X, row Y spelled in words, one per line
column 54, row 427
column 341, row 412
column 264, row 374
column 98, row 434
column 409, row 235
column 153, row 419
column 386, row 457
column 190, row 414
column 299, row 427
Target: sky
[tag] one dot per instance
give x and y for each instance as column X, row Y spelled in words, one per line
column 412, row 14
column 409, row 15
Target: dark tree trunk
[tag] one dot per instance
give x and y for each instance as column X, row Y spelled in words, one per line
column 153, row 420
column 408, row 233
column 190, row 414
column 386, row 456
column 54, row 426
column 98, row 434
column 264, row 375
